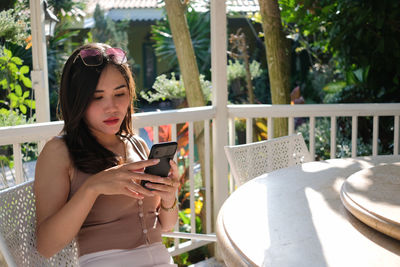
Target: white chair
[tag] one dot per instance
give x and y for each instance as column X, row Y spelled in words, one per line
column 17, row 231
column 251, row 160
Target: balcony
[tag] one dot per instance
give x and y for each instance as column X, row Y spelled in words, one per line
column 220, row 129
column 217, row 181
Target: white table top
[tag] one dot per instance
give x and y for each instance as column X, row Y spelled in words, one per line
column 294, row 217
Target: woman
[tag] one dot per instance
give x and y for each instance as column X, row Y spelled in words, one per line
column 87, row 181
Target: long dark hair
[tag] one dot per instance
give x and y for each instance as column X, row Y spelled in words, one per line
column 78, row 84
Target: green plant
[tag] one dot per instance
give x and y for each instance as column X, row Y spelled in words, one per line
column 199, row 27
column 236, row 70
column 172, row 88
column 13, row 27
column 16, row 84
column 357, row 36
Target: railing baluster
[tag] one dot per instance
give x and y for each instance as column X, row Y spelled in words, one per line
column 155, row 134
column 207, row 174
column 396, row 136
column 354, row 131
column 173, row 138
column 19, row 175
column 249, row 130
column 375, row 136
column 291, row 125
column 270, row 125
column 191, row 179
column 333, row 137
column 312, row 137
column 232, row 131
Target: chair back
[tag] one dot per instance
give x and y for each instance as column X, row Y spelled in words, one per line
column 18, row 231
column 251, row 160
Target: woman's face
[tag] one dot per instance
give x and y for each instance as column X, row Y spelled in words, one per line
column 109, row 105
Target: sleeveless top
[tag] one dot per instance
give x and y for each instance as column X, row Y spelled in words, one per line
column 118, row 221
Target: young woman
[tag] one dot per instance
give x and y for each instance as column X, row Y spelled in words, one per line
column 87, row 181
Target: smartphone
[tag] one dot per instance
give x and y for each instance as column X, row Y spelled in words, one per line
column 165, row 152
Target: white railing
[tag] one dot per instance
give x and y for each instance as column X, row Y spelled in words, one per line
column 42, row 131
column 319, row 110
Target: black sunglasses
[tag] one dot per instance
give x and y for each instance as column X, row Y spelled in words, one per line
column 92, row 57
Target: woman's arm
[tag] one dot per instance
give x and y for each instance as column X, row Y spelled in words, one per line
column 59, row 219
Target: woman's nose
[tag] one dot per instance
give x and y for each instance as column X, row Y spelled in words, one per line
column 111, row 104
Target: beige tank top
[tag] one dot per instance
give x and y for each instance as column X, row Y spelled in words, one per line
column 118, row 222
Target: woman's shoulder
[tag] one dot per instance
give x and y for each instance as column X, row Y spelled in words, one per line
column 56, row 149
column 56, row 143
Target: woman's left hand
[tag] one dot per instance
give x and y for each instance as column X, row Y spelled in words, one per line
column 166, row 187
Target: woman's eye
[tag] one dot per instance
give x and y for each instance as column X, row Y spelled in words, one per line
column 121, row 94
column 97, row 97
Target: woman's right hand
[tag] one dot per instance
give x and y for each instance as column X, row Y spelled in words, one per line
column 123, row 180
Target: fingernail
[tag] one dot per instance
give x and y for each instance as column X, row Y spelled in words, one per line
column 156, row 160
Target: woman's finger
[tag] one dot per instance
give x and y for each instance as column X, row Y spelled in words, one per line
column 174, row 166
column 133, row 186
column 167, row 185
column 139, row 165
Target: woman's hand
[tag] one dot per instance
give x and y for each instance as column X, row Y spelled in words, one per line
column 124, row 180
column 166, row 187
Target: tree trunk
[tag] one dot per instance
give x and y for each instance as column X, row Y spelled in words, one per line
column 189, row 70
column 278, row 58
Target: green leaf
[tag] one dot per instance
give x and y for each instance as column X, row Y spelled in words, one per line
column 4, row 83
column 30, row 103
column 16, row 60
column 13, row 68
column 184, row 218
column 24, row 70
column 22, row 108
column 26, row 94
column 334, row 87
column 13, row 97
column 365, row 73
column 3, row 61
column 27, row 82
column 351, row 79
column 359, row 75
column 18, row 90
column 7, row 53
column 14, row 103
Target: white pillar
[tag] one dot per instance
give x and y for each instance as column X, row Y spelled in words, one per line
column 39, row 76
column 219, row 102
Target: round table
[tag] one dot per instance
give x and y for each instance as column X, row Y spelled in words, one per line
column 373, row 196
column 295, row 217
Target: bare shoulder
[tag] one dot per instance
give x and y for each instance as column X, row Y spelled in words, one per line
column 52, row 178
column 57, row 142
column 55, row 154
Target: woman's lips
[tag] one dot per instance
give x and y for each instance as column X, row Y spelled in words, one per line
column 111, row 121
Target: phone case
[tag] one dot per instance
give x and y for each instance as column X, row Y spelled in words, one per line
column 165, row 152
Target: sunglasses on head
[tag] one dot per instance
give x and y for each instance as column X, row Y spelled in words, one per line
column 92, row 57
